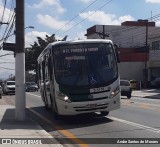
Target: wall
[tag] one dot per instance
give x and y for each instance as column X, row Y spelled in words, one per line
column 131, row 70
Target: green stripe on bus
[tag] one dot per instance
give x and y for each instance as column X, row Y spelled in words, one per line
column 76, row 94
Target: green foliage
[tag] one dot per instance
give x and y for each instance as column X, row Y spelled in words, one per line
column 32, row 53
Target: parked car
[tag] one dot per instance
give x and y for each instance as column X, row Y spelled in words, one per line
column 155, row 83
column 1, row 92
column 9, row 87
column 126, row 89
column 31, row 86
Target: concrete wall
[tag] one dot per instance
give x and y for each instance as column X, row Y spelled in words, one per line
column 131, row 70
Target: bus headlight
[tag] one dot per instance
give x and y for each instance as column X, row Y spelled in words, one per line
column 115, row 92
column 63, row 97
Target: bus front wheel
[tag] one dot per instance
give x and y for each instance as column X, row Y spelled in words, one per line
column 104, row 113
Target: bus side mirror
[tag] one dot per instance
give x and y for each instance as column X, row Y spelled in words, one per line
column 117, row 53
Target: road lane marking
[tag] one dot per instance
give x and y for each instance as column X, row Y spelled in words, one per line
column 136, row 125
column 142, row 105
column 33, row 94
column 61, row 130
column 145, row 106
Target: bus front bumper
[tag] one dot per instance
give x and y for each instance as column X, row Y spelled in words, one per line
column 75, row 108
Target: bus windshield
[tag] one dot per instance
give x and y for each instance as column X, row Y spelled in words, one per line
column 87, row 64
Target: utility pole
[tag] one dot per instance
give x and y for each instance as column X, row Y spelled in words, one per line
column 102, row 34
column 146, row 52
column 20, row 63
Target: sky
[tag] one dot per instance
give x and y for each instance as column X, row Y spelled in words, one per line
column 70, row 17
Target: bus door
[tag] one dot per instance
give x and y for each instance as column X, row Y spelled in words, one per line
column 47, row 82
column 52, row 87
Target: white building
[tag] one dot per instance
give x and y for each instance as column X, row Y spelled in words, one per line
column 132, row 38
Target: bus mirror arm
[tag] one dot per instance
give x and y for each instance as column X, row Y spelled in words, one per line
column 117, row 53
column 118, row 59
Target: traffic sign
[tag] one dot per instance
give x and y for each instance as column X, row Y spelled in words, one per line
column 9, row 46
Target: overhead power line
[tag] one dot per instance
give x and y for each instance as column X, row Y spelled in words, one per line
column 7, row 62
column 75, row 16
column 5, row 55
column 87, row 16
column 3, row 12
column 8, row 30
column 7, row 68
column 7, row 59
column 11, row 20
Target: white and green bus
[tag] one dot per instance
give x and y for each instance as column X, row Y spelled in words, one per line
column 77, row 77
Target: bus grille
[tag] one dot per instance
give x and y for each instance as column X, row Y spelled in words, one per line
column 86, row 108
column 87, row 99
column 11, row 88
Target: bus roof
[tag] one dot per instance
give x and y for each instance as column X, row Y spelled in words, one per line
column 82, row 41
column 74, row 42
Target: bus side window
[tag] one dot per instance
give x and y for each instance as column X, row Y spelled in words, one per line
column 39, row 71
column 46, row 69
column 39, row 74
column 43, row 70
column 50, row 69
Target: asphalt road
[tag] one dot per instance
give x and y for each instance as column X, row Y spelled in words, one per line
column 136, row 119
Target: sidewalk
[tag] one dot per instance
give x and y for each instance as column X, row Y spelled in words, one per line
column 25, row 132
column 147, row 93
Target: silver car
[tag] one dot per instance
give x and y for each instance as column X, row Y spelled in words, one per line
column 125, row 88
column 9, row 87
column 31, row 86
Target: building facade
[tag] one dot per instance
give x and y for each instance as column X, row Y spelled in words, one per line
column 139, row 46
column 154, row 56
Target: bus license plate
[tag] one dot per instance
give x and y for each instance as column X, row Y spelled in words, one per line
column 100, row 89
column 91, row 106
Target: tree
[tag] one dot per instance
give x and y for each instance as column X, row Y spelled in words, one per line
column 32, row 53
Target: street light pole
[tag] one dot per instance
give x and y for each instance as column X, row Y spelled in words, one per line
column 20, row 63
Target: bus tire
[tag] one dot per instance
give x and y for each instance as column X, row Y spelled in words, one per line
column 104, row 113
